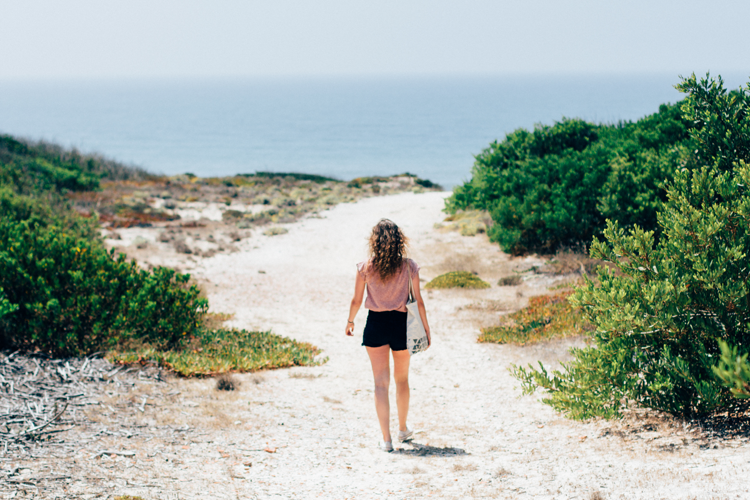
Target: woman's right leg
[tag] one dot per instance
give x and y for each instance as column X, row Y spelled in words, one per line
column 401, row 377
column 379, row 357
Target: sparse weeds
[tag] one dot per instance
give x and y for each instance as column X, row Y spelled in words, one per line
column 570, row 262
column 468, row 222
column 457, row 279
column 304, row 375
column 215, row 321
column 502, row 472
column 283, row 197
column 545, row 317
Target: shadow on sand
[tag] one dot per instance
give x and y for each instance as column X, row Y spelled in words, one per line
column 423, row 450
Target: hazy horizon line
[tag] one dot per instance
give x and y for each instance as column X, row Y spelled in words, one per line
column 372, row 76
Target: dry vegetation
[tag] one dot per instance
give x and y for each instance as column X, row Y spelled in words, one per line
column 546, row 317
column 202, row 217
column 467, row 222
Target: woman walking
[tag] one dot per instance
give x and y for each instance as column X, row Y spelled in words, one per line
column 386, row 274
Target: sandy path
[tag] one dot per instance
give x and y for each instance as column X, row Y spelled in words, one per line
column 477, row 437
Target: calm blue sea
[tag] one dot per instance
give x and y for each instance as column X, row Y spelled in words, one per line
column 340, row 127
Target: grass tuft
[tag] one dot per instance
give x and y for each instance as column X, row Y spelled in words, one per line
column 513, row 280
column 546, row 317
column 221, row 351
column 275, row 231
column 226, row 383
column 457, row 279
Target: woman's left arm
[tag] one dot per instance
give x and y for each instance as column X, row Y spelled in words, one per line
column 420, row 306
column 359, row 293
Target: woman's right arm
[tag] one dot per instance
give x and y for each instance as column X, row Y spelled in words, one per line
column 359, row 293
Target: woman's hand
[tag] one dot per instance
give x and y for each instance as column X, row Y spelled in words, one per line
column 429, row 337
column 350, row 329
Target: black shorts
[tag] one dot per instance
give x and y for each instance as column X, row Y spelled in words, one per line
column 385, row 328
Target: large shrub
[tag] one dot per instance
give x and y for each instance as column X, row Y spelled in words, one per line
column 72, row 297
column 660, row 319
column 556, row 186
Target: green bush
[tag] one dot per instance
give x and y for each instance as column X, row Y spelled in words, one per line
column 457, row 279
column 660, row 319
column 74, row 297
column 556, row 186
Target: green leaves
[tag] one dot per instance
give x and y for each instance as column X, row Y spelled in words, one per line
column 669, row 306
column 73, row 297
column 734, row 370
column 5, row 306
column 555, row 187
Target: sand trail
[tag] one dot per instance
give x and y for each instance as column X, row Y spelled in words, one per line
column 477, row 437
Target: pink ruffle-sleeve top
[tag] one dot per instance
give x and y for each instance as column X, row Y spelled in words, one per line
column 389, row 295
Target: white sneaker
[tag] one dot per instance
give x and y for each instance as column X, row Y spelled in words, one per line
column 386, row 446
column 406, row 435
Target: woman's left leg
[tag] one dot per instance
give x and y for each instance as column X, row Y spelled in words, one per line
column 401, row 377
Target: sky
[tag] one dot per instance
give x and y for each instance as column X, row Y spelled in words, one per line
column 90, row 39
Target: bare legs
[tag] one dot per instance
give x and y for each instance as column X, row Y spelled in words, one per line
column 379, row 357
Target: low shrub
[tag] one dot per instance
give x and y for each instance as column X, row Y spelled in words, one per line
column 221, row 351
column 426, row 183
column 546, row 317
column 73, row 297
column 457, row 279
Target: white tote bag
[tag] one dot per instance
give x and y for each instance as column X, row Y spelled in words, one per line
column 416, row 337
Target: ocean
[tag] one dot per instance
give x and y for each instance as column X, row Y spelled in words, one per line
column 338, row 127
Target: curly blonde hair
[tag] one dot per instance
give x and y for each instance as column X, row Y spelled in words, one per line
column 387, row 248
